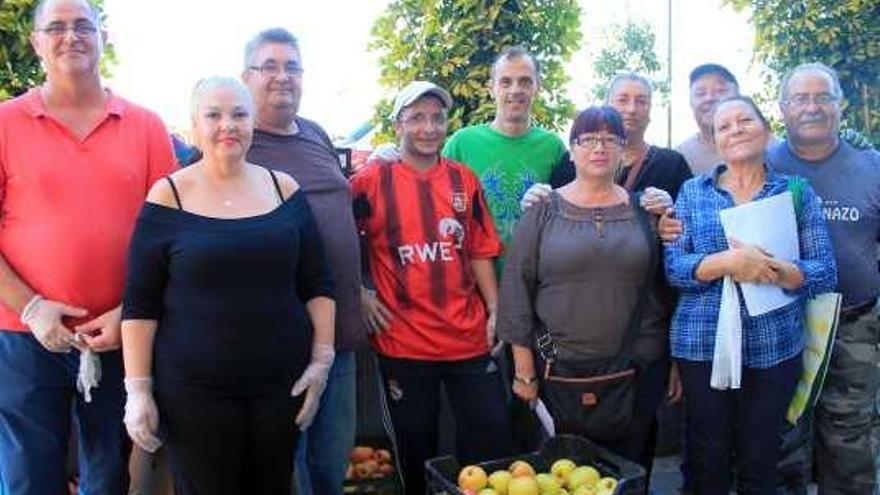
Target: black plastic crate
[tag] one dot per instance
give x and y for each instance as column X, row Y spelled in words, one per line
column 442, row 472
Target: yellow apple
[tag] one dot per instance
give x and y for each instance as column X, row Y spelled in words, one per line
column 583, row 475
column 585, row 490
column 523, row 485
column 548, row 484
column 488, row 491
column 562, row 468
column 472, row 478
column 606, row 486
column 499, row 480
column 521, row 468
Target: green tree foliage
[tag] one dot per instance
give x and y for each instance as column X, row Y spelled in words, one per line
column 628, row 46
column 453, row 43
column 19, row 66
column 843, row 34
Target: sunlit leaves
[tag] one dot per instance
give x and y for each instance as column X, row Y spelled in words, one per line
column 844, row 34
column 453, row 42
column 19, row 66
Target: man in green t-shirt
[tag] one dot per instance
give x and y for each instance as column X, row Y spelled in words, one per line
column 510, row 153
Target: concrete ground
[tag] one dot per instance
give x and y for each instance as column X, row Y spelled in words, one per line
column 666, row 478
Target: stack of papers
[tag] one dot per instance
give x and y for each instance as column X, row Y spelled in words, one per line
column 770, row 224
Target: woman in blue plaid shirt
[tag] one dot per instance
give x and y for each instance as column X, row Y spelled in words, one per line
column 747, row 420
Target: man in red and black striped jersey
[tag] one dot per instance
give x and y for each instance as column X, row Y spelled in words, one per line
column 430, row 242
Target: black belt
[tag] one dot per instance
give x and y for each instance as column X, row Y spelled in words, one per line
column 853, row 313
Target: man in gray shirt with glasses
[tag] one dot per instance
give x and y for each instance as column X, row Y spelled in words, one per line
column 848, row 182
column 285, row 141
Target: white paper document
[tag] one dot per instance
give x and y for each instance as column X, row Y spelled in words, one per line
column 769, row 223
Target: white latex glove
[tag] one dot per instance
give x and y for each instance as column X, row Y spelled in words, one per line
column 655, row 201
column 384, row 153
column 534, row 195
column 141, row 415
column 89, row 375
column 43, row 317
column 313, row 382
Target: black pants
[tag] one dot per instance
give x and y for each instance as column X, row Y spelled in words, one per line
column 641, row 439
column 747, row 421
column 229, row 445
column 476, row 396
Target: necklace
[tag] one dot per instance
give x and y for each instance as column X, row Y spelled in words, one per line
column 226, row 195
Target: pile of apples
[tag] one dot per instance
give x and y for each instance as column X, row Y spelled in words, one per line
column 368, row 463
column 565, row 478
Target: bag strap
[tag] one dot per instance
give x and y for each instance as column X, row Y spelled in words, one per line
column 796, row 187
column 635, row 321
column 544, row 341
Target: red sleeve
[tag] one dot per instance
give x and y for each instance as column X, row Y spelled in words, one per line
column 484, row 242
column 360, row 192
column 160, row 152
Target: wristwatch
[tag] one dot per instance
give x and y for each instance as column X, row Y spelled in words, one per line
column 524, row 380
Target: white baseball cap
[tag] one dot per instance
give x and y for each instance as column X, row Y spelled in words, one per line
column 415, row 90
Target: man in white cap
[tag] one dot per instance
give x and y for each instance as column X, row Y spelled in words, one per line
column 430, row 241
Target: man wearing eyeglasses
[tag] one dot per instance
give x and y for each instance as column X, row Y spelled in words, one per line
column 285, row 141
column 430, row 242
column 76, row 162
column 848, row 181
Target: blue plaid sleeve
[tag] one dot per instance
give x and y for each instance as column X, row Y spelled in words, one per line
column 681, row 260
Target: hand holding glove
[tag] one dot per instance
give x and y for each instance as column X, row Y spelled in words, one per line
column 313, row 382
column 43, row 317
column 141, row 415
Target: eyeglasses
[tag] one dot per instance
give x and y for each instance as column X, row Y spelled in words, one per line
column 592, row 142
column 803, row 99
column 58, row 30
column 274, row 70
column 437, row 120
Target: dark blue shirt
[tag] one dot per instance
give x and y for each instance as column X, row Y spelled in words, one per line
column 848, row 182
column 228, row 294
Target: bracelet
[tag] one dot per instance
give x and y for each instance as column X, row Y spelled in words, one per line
column 525, row 381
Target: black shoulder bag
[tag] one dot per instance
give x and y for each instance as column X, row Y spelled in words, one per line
column 595, row 398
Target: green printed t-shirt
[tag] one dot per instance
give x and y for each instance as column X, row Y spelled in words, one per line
column 507, row 166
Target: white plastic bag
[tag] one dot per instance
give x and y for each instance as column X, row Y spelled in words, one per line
column 727, row 360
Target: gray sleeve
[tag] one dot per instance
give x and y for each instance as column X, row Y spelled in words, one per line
column 516, row 306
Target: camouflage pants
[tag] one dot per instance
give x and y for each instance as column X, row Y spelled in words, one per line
column 847, row 411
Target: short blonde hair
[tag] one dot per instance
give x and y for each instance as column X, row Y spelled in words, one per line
column 211, row 83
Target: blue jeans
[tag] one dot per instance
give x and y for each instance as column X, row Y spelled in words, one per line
column 322, row 452
column 36, row 400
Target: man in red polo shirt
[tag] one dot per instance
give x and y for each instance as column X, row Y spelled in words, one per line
column 76, row 162
column 430, row 242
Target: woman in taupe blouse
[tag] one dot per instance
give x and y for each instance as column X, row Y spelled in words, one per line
column 575, row 272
